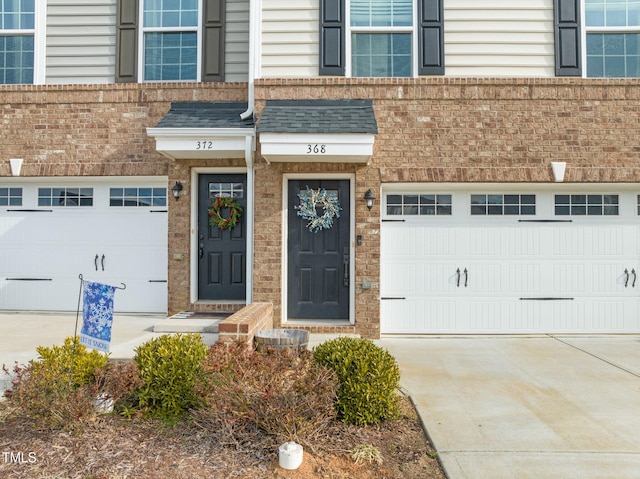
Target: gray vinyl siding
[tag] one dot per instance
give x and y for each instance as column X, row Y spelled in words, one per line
column 499, row 38
column 81, row 42
column 290, row 44
column 481, row 38
column 237, row 41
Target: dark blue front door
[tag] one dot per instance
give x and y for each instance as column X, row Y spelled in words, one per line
column 221, row 253
column 318, row 263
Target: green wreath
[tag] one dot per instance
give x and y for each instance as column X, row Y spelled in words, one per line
column 215, row 212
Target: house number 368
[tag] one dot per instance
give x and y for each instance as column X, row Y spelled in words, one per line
column 316, row 149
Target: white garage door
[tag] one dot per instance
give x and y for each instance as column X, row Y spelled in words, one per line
column 112, row 231
column 507, row 260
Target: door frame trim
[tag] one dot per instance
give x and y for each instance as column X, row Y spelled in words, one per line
column 285, row 231
column 193, row 234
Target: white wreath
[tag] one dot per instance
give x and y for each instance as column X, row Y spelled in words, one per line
column 307, row 208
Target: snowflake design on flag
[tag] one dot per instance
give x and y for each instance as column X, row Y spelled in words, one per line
column 97, row 310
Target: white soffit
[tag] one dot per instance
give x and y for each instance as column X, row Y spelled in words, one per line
column 201, row 143
column 310, row 147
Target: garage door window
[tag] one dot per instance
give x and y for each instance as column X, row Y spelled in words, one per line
column 65, row 196
column 503, row 205
column 137, row 197
column 419, row 205
column 10, row 196
column 587, row 205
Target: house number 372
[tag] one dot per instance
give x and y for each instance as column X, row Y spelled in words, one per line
column 316, row 149
column 204, row 145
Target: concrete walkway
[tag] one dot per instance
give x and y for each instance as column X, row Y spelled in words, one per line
column 527, row 407
column 495, row 407
column 21, row 333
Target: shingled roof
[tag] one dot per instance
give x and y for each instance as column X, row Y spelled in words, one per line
column 318, row 116
column 205, row 115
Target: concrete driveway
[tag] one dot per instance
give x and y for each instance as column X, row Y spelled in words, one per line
column 527, row 407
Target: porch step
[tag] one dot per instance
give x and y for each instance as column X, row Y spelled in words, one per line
column 190, row 323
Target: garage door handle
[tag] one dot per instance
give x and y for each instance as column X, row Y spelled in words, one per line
column 458, row 280
column 466, row 277
column 626, row 281
column 95, row 261
column 633, row 272
column 102, row 262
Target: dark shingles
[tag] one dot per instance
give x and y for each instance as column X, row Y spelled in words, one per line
column 318, row 116
column 205, row 115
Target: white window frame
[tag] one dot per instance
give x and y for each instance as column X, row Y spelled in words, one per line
column 141, row 50
column 39, row 40
column 598, row 29
column 413, row 30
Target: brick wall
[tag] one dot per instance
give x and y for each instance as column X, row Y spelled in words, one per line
column 454, row 130
column 93, row 130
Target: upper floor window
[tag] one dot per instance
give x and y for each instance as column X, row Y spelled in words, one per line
column 381, row 38
column 17, row 41
column 170, row 40
column 382, row 33
column 613, row 38
column 170, row 37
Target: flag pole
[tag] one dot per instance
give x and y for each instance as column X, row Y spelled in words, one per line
column 75, row 332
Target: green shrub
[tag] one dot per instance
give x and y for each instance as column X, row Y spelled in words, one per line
column 49, row 392
column 170, row 368
column 282, row 392
column 369, row 378
column 58, row 359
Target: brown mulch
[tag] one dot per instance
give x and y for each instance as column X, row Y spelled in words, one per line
column 112, row 447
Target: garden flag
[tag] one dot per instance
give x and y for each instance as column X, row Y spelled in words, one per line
column 97, row 315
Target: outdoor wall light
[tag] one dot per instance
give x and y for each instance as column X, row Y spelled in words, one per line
column 177, row 188
column 369, row 198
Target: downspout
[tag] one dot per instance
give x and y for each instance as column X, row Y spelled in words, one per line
column 254, row 29
column 248, row 155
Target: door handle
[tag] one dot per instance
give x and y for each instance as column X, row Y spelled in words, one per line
column 466, row 277
column 102, row 262
column 345, row 262
column 458, row 280
column 95, row 262
column 633, row 272
column 626, row 281
column 200, row 251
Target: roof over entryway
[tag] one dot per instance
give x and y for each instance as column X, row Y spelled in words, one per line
column 195, row 130
column 318, row 130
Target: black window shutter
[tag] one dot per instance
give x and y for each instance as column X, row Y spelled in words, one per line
column 567, row 37
column 332, row 32
column 213, row 40
column 127, row 41
column 430, row 37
